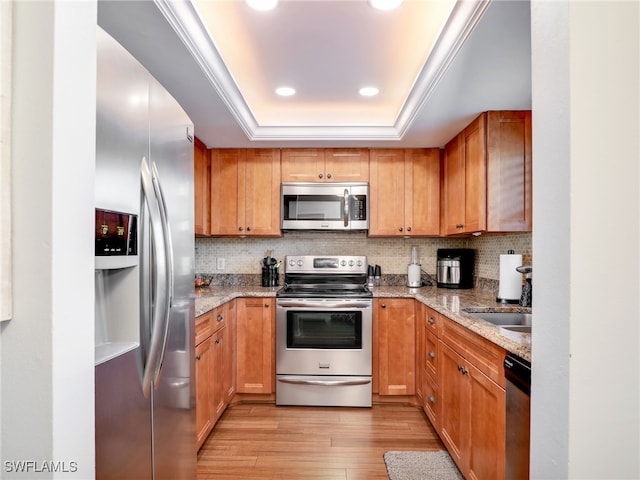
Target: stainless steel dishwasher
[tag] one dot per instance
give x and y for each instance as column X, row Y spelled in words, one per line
column 517, row 372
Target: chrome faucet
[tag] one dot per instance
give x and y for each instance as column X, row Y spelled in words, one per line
column 527, row 288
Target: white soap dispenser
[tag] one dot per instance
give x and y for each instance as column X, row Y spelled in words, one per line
column 414, row 270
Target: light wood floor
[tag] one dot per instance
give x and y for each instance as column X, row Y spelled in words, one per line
column 262, row 441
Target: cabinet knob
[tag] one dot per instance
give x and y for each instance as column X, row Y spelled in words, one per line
column 320, row 175
column 432, row 320
column 384, row 305
column 198, row 357
column 266, row 305
column 432, row 399
column 217, row 341
column 408, row 229
column 459, row 225
column 432, row 354
column 248, row 229
column 219, row 318
column 240, row 228
column 400, row 229
column 328, row 175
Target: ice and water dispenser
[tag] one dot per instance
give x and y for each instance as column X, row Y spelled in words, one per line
column 116, row 284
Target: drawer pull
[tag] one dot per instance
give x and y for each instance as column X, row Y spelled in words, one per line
column 219, row 318
column 432, row 320
column 432, row 354
column 432, row 399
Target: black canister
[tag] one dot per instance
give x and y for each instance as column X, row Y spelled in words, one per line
column 270, row 276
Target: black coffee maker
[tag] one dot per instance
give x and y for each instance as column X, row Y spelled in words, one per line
column 454, row 267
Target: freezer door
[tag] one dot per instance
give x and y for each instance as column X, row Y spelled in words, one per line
column 123, row 421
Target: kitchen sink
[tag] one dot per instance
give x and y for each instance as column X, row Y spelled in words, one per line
column 519, row 322
column 517, row 328
column 505, row 318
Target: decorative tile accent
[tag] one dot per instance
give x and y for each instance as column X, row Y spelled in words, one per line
column 243, row 256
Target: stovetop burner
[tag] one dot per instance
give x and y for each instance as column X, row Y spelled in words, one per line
column 325, row 276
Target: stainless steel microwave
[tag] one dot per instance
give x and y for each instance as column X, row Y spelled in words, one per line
column 325, row 206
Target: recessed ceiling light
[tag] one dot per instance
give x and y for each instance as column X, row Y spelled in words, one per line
column 385, row 4
column 262, row 5
column 285, row 91
column 368, row 91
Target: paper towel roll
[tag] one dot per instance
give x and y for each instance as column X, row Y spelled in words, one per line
column 510, row 286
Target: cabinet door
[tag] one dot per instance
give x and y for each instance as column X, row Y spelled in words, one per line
column 202, row 189
column 255, row 344
column 486, row 427
column 454, row 406
column 454, row 191
column 474, row 142
column 387, row 192
column 396, row 346
column 422, row 191
column 302, row 164
column 509, row 172
column 227, row 168
column 346, row 164
column 261, row 187
column 204, row 374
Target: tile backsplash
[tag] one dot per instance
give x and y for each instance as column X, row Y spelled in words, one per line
column 244, row 255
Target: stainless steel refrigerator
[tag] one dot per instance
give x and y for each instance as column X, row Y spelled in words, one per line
column 144, row 373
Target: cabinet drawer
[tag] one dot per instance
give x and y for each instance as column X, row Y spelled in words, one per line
column 431, row 353
column 431, row 404
column 433, row 321
column 203, row 327
column 485, row 355
column 218, row 318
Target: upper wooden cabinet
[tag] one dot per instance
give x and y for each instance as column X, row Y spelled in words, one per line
column 487, row 175
column 325, row 165
column 202, row 189
column 245, row 192
column 405, row 192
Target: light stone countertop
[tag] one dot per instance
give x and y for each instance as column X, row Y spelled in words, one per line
column 450, row 303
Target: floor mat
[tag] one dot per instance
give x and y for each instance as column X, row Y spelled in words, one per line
column 421, row 466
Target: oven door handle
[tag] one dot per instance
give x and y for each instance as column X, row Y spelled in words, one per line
column 312, row 304
column 324, row 383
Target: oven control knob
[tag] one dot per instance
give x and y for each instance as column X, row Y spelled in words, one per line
column 292, row 262
column 343, row 262
column 351, row 263
column 300, row 262
column 359, row 263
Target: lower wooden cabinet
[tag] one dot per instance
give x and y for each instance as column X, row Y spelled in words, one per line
column 394, row 330
column 204, row 384
column 215, row 378
column 255, row 354
column 472, row 409
column 428, row 324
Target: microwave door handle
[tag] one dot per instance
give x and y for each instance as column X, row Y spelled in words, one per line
column 346, row 207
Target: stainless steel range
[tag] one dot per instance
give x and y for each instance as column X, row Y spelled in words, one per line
column 323, row 332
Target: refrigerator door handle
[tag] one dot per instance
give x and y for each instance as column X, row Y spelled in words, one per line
column 168, row 258
column 160, row 290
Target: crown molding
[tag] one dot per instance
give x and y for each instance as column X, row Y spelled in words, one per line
column 185, row 21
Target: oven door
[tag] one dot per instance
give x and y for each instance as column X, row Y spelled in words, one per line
column 323, row 337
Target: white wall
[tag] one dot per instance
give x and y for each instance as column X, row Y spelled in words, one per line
column 47, row 348
column 585, row 391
